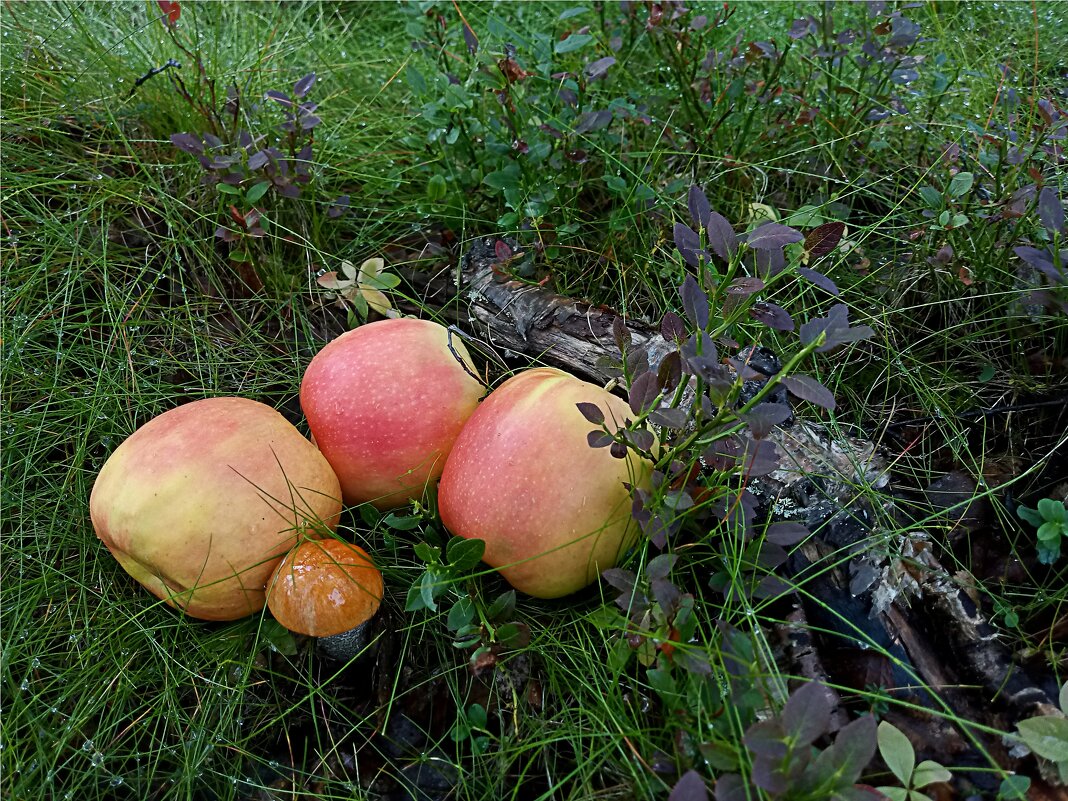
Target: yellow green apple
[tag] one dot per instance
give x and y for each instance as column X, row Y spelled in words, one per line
column 200, row 503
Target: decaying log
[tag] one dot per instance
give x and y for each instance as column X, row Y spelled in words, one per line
column 516, row 317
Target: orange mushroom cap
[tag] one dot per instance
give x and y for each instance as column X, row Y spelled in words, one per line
column 324, row 587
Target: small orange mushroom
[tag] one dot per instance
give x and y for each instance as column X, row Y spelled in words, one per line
column 328, row 589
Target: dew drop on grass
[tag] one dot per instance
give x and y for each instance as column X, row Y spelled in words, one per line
column 116, row 781
column 25, row 685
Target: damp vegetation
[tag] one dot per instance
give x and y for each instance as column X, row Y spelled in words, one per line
column 819, row 250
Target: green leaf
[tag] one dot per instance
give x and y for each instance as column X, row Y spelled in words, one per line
column 477, row 717
column 414, row 601
column 436, row 188
column 1050, row 531
column 278, row 638
column 929, row 772
column 415, row 79
column 228, row 189
column 615, row 183
column 897, row 752
column 1064, row 698
column 429, row 589
column 575, row 41
column 1053, row 511
column 987, row 374
column 257, row 191
column 382, row 281
column 463, row 554
column 461, row 614
column 240, row 255
column 507, row 178
column 894, row 793
column 401, row 522
column 1014, row 787
column 960, row 184
column 1047, row 736
column 503, row 606
column 943, row 219
column 663, row 683
column 428, row 553
column 572, row 12
column 931, row 197
column 1029, row 516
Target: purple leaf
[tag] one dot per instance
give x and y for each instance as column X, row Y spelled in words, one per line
column 809, row 389
column 732, row 787
column 760, row 457
column 819, row 279
column 786, row 534
column 669, row 373
column 851, row 751
column 257, row 160
column 836, row 327
column 308, row 122
column 766, row 739
column 188, row 142
column 618, row 450
column 599, row 439
column 694, row 302
column 1050, row 210
column 643, row 392
column 278, row 97
column 660, row 567
column 770, row 263
column 807, row 713
column 721, row 236
column 698, row 205
column 802, row 27
column 772, row 315
column 1039, row 259
column 621, row 334
column 689, row 244
column 470, row 39
column 598, row 68
column 642, row 438
column 592, row 412
column 304, row 85
column 690, row 787
column 669, row 418
column 593, row 121
column 765, row 416
column 672, row 328
column 773, row 236
column 745, row 286
column 822, row 240
column 622, row 580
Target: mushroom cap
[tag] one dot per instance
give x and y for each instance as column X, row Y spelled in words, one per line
column 324, row 587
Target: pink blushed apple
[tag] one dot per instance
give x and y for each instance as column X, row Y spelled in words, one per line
column 553, row 511
column 385, row 402
column 201, row 503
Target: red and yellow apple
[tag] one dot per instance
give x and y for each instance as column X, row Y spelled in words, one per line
column 553, row 511
column 201, row 503
column 385, row 402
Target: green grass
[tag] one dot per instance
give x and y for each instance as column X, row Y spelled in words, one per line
column 117, row 301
